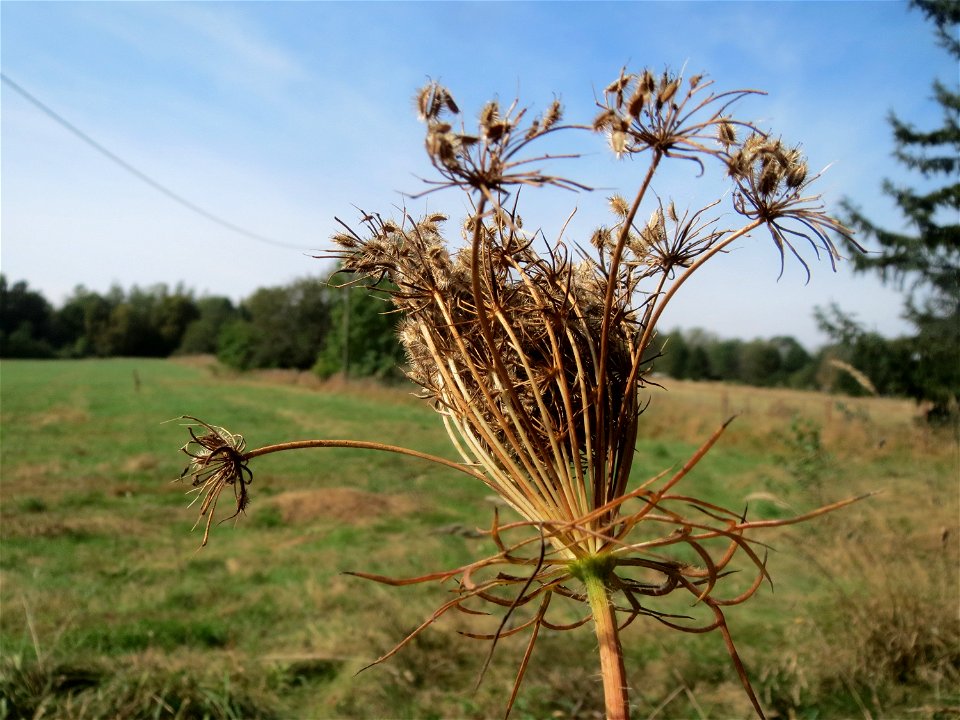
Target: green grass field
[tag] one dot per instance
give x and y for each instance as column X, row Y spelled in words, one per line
column 110, row 609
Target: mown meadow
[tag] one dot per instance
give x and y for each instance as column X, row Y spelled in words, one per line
column 111, row 609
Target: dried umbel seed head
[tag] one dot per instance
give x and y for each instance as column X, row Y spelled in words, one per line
column 770, row 181
column 536, row 359
column 766, row 164
column 726, row 133
column 490, row 159
column 216, row 462
column 668, row 88
column 553, row 115
column 796, row 175
column 432, row 99
column 643, row 112
column 619, row 206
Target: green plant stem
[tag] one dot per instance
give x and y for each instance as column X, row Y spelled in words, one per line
column 615, row 692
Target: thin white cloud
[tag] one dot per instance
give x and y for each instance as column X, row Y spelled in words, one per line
column 241, row 43
column 214, row 43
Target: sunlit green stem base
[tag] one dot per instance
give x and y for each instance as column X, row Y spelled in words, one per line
column 615, row 693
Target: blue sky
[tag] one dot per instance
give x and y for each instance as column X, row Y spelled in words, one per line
column 279, row 116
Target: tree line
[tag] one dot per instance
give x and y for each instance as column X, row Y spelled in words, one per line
column 329, row 326
column 311, row 323
column 855, row 362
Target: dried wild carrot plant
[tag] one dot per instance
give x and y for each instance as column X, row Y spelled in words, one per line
column 536, row 355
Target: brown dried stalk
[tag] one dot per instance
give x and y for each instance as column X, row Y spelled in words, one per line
column 536, row 354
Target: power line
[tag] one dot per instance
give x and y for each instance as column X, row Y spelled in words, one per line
column 142, row 176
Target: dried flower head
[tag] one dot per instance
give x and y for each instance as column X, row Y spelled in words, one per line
column 536, row 355
column 771, row 181
column 537, row 370
column 216, row 461
column 619, row 205
column 641, row 112
column 490, row 159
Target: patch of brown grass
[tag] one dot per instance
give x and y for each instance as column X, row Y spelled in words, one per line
column 52, row 525
column 140, row 463
column 44, row 481
column 857, row 429
column 59, row 415
column 285, row 376
column 31, row 474
column 197, row 361
column 341, row 504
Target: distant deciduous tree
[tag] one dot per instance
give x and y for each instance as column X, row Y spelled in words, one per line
column 202, row 334
column 25, row 321
column 725, row 359
column 83, row 323
column 699, row 355
column 281, row 327
column 675, row 355
column 362, row 340
column 759, row 363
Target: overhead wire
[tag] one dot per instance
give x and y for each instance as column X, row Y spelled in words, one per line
column 139, row 174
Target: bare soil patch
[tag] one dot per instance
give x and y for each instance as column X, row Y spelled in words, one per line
column 342, row 504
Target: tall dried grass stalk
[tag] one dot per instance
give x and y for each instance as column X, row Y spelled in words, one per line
column 861, row 378
column 536, row 356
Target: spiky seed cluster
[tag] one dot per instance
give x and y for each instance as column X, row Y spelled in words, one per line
column 770, row 167
column 488, row 159
column 643, row 111
column 669, row 242
column 771, row 180
column 619, row 206
column 216, row 462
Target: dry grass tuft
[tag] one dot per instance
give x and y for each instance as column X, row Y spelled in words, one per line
column 887, row 632
column 140, row 687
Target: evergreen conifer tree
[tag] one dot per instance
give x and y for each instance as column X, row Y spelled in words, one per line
column 926, row 261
